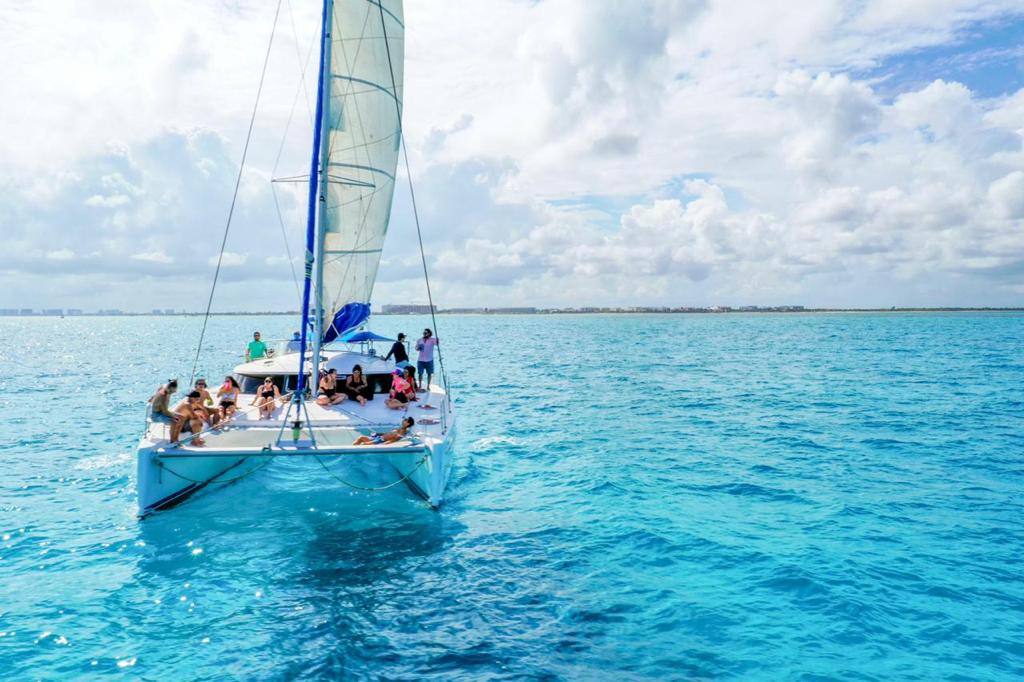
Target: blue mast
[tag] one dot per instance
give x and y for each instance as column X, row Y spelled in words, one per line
column 314, row 177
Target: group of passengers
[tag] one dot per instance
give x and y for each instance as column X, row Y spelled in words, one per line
column 356, row 387
column 197, row 409
column 404, row 382
column 257, row 348
column 425, row 360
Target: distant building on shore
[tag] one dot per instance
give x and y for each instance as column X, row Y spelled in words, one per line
column 55, row 312
column 407, row 309
column 74, row 311
column 490, row 311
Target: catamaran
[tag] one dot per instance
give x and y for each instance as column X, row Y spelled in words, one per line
column 357, row 136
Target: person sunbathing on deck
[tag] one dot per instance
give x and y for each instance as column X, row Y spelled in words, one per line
column 191, row 413
column 329, row 393
column 357, row 387
column 266, row 398
column 390, row 437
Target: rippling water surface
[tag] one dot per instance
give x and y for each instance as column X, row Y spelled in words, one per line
column 673, row 497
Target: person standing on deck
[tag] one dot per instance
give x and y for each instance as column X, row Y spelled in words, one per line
column 295, row 345
column 425, row 361
column 398, row 351
column 256, row 348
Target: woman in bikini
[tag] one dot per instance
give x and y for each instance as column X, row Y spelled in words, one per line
column 329, row 393
column 357, row 387
column 389, row 437
column 266, row 398
column 228, row 395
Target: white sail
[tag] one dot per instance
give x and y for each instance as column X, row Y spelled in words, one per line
column 362, row 122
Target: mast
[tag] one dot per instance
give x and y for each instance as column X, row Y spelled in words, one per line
column 314, row 177
column 324, row 106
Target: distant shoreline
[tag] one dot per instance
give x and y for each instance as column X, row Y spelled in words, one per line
column 562, row 311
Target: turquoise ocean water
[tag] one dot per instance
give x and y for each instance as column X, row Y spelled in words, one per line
column 802, row 497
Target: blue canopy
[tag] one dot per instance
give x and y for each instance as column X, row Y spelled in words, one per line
column 359, row 337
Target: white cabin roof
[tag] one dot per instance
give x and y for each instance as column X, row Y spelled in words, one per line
column 288, row 364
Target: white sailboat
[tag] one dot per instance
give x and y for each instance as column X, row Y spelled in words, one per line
column 357, row 138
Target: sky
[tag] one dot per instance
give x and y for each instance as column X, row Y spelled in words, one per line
column 841, row 153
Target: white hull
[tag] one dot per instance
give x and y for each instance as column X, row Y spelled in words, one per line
column 168, row 475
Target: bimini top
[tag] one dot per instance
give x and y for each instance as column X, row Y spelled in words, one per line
column 361, row 337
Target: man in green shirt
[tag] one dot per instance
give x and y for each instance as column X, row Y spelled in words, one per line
column 256, row 350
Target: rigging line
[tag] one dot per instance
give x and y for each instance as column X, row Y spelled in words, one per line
column 234, row 196
column 302, row 65
column 250, row 472
column 300, row 89
column 295, row 100
column 415, row 212
column 371, row 490
column 287, row 247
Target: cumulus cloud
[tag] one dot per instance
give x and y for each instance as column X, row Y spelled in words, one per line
column 658, row 151
column 230, row 259
column 1007, row 195
column 153, row 257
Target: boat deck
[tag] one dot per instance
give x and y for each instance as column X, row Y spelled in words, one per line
column 334, row 426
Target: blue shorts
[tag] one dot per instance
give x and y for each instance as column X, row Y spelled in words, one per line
column 162, row 418
column 425, row 366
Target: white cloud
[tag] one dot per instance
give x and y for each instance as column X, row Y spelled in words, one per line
column 636, row 152
column 153, row 257
column 230, row 259
column 99, row 201
column 279, row 260
column 1007, row 194
column 61, row 254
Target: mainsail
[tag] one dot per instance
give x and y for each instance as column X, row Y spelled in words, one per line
column 362, row 127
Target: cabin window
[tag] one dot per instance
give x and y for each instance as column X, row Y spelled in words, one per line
column 284, row 383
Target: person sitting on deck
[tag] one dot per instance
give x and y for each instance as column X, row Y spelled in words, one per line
column 266, row 398
column 329, row 393
column 161, row 410
column 390, row 437
column 357, row 387
column 192, row 419
column 210, row 415
column 399, row 352
column 256, row 348
column 295, row 345
column 402, row 389
column 425, row 361
column 228, row 394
